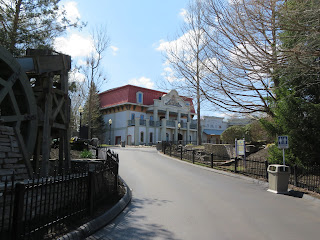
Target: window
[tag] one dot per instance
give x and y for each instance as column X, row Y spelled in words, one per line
column 151, row 118
column 141, row 137
column 132, row 116
column 141, row 117
column 139, row 97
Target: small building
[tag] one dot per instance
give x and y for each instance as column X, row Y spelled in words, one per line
column 141, row 116
column 212, row 127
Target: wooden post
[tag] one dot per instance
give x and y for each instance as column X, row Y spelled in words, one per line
column 211, row 158
column 61, row 147
column 47, row 126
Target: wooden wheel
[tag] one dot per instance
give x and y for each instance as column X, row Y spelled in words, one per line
column 17, row 103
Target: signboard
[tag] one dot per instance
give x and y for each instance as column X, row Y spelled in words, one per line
column 241, row 147
column 283, row 142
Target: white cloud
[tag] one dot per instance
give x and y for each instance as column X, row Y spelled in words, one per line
column 71, row 10
column 76, row 76
column 114, row 50
column 74, row 45
column 142, row 82
column 184, row 13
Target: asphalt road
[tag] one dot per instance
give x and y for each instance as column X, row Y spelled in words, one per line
column 175, row 200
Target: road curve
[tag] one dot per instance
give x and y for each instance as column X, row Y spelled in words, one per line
column 175, row 200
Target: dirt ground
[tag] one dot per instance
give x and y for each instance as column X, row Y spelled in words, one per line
column 54, row 154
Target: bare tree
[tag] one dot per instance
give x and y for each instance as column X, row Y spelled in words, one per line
column 185, row 58
column 93, row 72
column 243, row 54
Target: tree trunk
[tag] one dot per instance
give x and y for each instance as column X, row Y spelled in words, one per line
column 13, row 34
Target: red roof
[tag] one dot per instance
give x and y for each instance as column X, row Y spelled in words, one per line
column 127, row 94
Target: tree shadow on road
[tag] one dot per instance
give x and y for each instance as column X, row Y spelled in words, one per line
column 130, row 224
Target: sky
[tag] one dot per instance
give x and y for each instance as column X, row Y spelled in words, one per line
column 136, row 30
column 139, row 30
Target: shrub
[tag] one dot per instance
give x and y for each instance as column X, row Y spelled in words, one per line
column 86, row 154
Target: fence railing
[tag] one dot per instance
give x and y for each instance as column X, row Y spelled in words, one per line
column 41, row 207
column 307, row 177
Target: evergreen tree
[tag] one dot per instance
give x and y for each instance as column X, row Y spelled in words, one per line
column 297, row 111
column 98, row 127
column 31, row 24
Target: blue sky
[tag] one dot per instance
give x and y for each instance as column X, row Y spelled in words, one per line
column 136, row 29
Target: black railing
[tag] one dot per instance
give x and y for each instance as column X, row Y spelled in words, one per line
column 41, row 207
column 131, row 122
column 305, row 177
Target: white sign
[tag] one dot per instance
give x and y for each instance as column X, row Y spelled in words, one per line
column 241, row 147
column 283, row 142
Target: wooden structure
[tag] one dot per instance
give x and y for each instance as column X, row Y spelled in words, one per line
column 34, row 100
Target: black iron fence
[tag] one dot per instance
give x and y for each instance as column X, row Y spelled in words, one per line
column 41, row 207
column 307, row 177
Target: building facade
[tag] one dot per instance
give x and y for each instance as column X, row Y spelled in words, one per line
column 212, row 128
column 141, row 116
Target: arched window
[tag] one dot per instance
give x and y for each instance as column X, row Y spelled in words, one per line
column 139, row 96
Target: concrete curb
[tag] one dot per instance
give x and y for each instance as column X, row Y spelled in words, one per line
column 94, row 225
column 253, row 180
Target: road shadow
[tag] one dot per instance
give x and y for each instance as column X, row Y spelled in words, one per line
column 294, row 193
column 130, row 224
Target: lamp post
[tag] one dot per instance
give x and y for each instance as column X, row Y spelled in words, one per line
column 110, row 123
column 179, row 126
column 80, row 111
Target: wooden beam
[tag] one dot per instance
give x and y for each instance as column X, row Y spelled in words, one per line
column 46, row 139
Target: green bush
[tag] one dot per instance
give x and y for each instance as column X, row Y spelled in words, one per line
column 86, row 154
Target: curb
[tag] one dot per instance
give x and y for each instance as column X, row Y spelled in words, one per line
column 94, row 225
column 290, row 192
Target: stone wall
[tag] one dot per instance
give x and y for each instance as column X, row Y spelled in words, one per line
column 222, row 150
column 11, row 160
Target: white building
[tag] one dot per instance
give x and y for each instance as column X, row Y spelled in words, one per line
column 144, row 116
column 212, row 128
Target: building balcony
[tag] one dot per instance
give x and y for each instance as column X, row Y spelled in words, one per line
column 131, row 122
column 142, row 122
column 193, row 126
column 171, row 123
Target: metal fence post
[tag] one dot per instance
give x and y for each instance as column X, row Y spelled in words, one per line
column 90, row 192
column 18, row 211
column 170, row 149
column 211, row 160
column 235, row 165
column 295, row 179
column 193, row 155
column 266, row 164
column 181, row 152
column 116, row 171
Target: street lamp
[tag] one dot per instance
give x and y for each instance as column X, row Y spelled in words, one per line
column 110, row 123
column 179, row 126
column 80, row 111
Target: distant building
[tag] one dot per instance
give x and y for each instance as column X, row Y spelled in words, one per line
column 144, row 116
column 212, row 128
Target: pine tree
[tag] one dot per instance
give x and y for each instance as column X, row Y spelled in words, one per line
column 31, row 24
column 97, row 124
